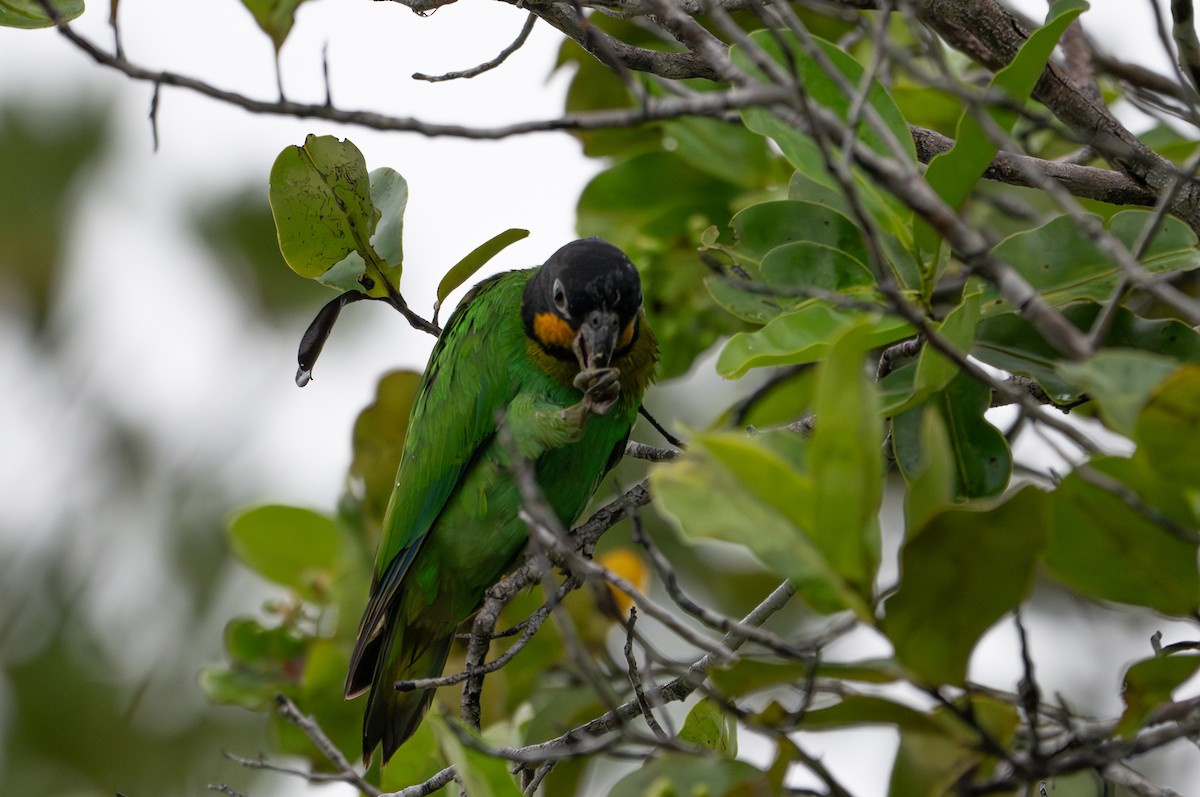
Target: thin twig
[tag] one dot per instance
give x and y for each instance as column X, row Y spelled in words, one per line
column 486, row 66
column 313, row 731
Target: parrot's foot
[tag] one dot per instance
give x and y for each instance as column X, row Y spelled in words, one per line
column 601, row 388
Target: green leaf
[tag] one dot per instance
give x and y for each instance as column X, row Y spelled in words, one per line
column 790, row 246
column 708, row 725
column 417, row 760
column 656, row 192
column 295, row 547
column 934, row 370
column 725, row 150
column 464, row 269
column 960, row 573
column 378, row 440
column 482, row 775
column 681, row 774
column 389, row 194
column 1010, row 342
column 929, row 762
column 738, row 298
column 1172, row 417
column 321, row 198
column 1103, row 548
column 1064, row 265
column 275, row 17
column 746, row 676
column 738, row 489
column 858, row 710
column 953, row 174
column 827, row 90
column 763, row 227
column 932, row 478
column 1148, row 684
column 29, row 14
column 803, row 153
column 1120, row 381
column 809, row 264
column 250, row 689
column 846, row 461
column 981, row 456
column 596, row 87
column 249, row 642
column 803, row 336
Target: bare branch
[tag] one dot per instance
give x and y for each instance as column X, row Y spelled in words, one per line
column 345, row 772
column 486, row 66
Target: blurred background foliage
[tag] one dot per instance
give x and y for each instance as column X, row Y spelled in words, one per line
column 113, row 594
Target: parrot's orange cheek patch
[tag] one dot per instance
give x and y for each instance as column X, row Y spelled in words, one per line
column 553, row 331
column 626, row 335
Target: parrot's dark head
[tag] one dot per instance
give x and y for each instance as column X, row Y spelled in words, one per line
column 584, row 304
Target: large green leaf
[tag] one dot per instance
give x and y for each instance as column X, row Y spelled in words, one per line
column 1064, row 265
column 328, row 211
column 1104, row 548
column 960, row 573
column 32, row 14
column 814, row 265
column 981, row 456
column 803, row 336
column 295, row 547
column 953, row 174
column 1010, row 342
column 740, row 489
column 846, row 461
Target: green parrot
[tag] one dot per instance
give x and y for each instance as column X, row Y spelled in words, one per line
column 560, row 355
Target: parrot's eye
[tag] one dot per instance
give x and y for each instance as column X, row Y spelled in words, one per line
column 560, row 298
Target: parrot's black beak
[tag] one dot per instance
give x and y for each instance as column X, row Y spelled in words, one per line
column 596, row 339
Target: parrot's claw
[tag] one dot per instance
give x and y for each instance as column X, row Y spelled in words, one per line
column 601, row 388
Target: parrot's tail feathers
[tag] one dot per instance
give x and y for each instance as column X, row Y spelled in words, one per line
column 392, row 716
column 362, row 665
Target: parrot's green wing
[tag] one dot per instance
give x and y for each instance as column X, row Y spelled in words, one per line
column 468, row 385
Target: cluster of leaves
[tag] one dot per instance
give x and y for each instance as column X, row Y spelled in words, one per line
column 814, row 290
